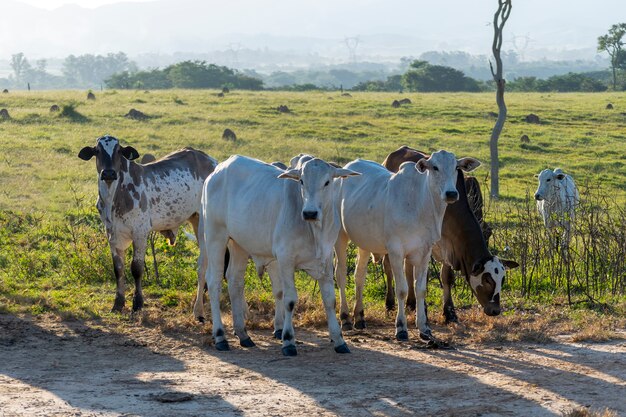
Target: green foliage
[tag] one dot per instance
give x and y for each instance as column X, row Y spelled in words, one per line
column 425, row 77
column 562, row 83
column 612, row 44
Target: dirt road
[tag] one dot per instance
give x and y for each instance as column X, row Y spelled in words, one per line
column 54, row 368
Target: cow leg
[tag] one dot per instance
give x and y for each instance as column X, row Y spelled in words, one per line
column 215, row 248
column 397, row 266
column 327, row 290
column 198, row 307
column 277, row 291
column 235, row 274
column 447, row 281
column 359, row 282
column 420, row 262
column 118, row 268
column 341, row 272
column 290, row 298
column 410, row 278
column 137, row 268
column 390, row 297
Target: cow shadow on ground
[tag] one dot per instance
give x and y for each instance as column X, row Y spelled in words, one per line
column 57, row 367
column 404, row 379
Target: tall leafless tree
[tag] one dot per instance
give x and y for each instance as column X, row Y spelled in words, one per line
column 499, row 19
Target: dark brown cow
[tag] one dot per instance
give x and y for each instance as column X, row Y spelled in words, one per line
column 135, row 199
column 463, row 245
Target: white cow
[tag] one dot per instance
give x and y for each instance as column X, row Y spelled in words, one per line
column 557, row 198
column 400, row 215
column 282, row 225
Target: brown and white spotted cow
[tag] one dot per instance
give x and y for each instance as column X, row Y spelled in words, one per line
column 135, row 199
column 463, row 245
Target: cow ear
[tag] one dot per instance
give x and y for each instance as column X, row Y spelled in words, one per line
column 560, row 176
column 478, row 267
column 510, row 264
column 344, row 173
column 467, row 164
column 129, row 153
column 292, row 174
column 422, row 165
column 87, row 153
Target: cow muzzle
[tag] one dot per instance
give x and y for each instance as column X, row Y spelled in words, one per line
column 492, row 309
column 310, row 215
column 451, row 196
column 538, row 197
column 108, row 175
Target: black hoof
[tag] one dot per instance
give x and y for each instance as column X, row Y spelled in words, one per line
column 390, row 305
column 247, row 343
column 118, row 305
column 427, row 335
column 346, row 326
column 222, row 346
column 342, row 349
column 360, row 324
column 137, row 304
column 290, row 350
column 452, row 319
column 402, row 335
column 200, row 319
column 278, row 334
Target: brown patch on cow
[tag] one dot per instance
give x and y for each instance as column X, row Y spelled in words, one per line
column 123, row 202
column 4, row 114
column 143, row 202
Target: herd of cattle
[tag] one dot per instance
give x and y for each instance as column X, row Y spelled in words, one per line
column 296, row 218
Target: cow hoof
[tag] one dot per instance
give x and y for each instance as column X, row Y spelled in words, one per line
column 137, row 304
column 402, row 335
column 342, row 349
column 118, row 305
column 289, row 350
column 247, row 343
column 452, row 319
column 390, row 306
column 278, row 334
column 346, row 326
column 222, row 346
column 360, row 324
column 427, row 335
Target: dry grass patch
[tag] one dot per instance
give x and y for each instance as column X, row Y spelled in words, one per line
column 586, row 412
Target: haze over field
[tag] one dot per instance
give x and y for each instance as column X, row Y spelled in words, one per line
column 387, row 29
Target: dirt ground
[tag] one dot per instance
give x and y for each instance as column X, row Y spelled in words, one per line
column 50, row 367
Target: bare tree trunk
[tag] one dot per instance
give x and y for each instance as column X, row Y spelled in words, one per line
column 499, row 19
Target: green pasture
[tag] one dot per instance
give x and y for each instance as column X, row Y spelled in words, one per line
column 53, row 252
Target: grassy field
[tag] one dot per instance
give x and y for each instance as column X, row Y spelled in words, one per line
column 53, row 253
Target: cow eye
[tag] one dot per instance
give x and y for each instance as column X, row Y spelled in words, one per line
column 548, row 180
column 435, row 168
column 327, row 182
column 301, row 182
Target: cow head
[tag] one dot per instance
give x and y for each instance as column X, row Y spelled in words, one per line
column 316, row 185
column 110, row 157
column 548, row 180
column 486, row 281
column 441, row 168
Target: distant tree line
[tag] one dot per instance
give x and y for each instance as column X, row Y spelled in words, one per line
column 186, row 74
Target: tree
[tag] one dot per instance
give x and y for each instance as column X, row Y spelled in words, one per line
column 611, row 43
column 499, row 19
column 425, row 77
column 89, row 70
column 20, row 66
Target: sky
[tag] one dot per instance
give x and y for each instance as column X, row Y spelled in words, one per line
column 385, row 28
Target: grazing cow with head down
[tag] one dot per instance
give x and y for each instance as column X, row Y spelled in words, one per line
column 462, row 247
column 400, row 215
column 135, row 199
column 557, row 198
column 284, row 220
